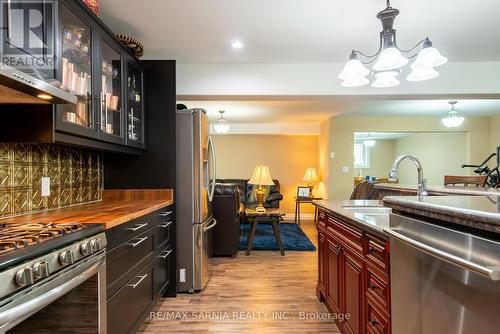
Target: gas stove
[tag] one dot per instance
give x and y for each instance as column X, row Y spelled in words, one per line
column 32, row 251
column 42, row 262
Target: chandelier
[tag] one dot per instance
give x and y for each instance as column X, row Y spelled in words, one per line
column 222, row 126
column 452, row 120
column 390, row 59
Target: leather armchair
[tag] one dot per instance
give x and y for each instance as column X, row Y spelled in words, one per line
column 225, row 208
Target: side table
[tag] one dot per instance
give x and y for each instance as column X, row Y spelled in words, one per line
column 272, row 216
column 299, row 201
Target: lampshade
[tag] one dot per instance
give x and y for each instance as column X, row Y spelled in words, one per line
column 390, row 59
column 353, row 69
column 221, row 127
column 453, row 121
column 261, row 176
column 384, row 82
column 422, row 73
column 311, row 175
column 430, row 57
column 357, row 82
column 369, row 142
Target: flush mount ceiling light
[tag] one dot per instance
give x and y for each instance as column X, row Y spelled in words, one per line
column 389, row 59
column 453, row 120
column 222, row 126
column 237, row 45
column 370, row 142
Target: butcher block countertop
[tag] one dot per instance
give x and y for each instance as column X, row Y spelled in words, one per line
column 117, row 207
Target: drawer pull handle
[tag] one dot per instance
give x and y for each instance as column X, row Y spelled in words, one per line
column 164, row 255
column 165, row 225
column 374, row 322
column 373, row 287
column 372, row 250
column 137, row 227
column 338, row 247
column 164, row 214
column 141, row 240
column 141, row 278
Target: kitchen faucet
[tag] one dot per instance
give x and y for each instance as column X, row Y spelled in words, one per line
column 422, row 183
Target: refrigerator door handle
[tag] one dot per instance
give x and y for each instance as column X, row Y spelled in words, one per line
column 211, row 226
column 214, row 166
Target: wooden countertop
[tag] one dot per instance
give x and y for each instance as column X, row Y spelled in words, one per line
column 111, row 212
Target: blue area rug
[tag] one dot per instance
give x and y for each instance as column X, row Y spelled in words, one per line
column 292, row 236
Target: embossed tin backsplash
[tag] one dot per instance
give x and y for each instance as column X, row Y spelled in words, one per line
column 75, row 177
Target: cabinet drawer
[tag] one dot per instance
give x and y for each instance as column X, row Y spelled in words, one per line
column 163, row 233
column 352, row 237
column 322, row 216
column 125, row 232
column 376, row 323
column 377, row 253
column 124, row 261
column 126, row 308
column 377, row 288
column 162, row 271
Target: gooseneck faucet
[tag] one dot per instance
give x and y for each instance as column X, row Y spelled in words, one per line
column 422, row 183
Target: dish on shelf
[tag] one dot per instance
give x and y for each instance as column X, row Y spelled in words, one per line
column 134, row 45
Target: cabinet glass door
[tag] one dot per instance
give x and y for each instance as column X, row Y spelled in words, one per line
column 76, row 70
column 111, row 91
column 135, row 106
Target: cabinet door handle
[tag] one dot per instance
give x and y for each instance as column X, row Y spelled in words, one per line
column 164, row 255
column 373, row 287
column 141, row 240
column 141, row 278
column 374, row 322
column 372, row 250
column 165, row 225
column 164, row 214
column 137, row 227
column 338, row 247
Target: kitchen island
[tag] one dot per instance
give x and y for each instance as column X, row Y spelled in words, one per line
column 353, row 263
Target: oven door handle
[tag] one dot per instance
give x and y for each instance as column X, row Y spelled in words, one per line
column 32, row 306
column 490, row 272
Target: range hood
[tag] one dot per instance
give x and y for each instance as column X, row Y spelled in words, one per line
column 19, row 87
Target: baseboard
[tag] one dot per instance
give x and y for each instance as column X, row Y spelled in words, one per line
column 290, row 217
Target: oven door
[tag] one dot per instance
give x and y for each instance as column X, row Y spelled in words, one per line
column 73, row 300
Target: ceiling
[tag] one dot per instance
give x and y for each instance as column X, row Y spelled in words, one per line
column 317, row 110
column 280, row 31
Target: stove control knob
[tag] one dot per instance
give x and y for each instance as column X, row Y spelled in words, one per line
column 66, row 258
column 95, row 245
column 24, row 277
column 40, row 270
column 85, row 249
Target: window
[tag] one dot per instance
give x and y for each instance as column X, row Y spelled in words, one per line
column 361, row 156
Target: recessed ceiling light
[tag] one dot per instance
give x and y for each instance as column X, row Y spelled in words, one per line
column 237, row 45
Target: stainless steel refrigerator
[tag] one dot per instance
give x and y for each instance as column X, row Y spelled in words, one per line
column 194, row 193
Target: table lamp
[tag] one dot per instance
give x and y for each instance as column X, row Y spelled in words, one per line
column 310, row 177
column 261, row 177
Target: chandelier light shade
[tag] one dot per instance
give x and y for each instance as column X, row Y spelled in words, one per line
column 222, row 126
column 453, row 120
column 390, row 58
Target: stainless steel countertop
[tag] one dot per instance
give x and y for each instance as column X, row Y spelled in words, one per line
column 369, row 221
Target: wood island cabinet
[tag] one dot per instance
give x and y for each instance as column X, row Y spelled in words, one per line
column 353, row 274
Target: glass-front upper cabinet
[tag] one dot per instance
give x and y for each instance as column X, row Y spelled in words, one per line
column 135, row 106
column 111, row 104
column 76, row 74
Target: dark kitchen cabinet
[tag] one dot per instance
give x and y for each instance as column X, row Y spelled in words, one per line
column 91, row 63
column 140, row 268
column 353, row 274
column 77, row 72
column 135, row 106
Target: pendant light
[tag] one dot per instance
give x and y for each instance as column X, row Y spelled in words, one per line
column 390, row 57
column 222, row 126
column 369, row 142
column 452, row 120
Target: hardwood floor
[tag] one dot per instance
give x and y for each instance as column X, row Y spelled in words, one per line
column 260, row 293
